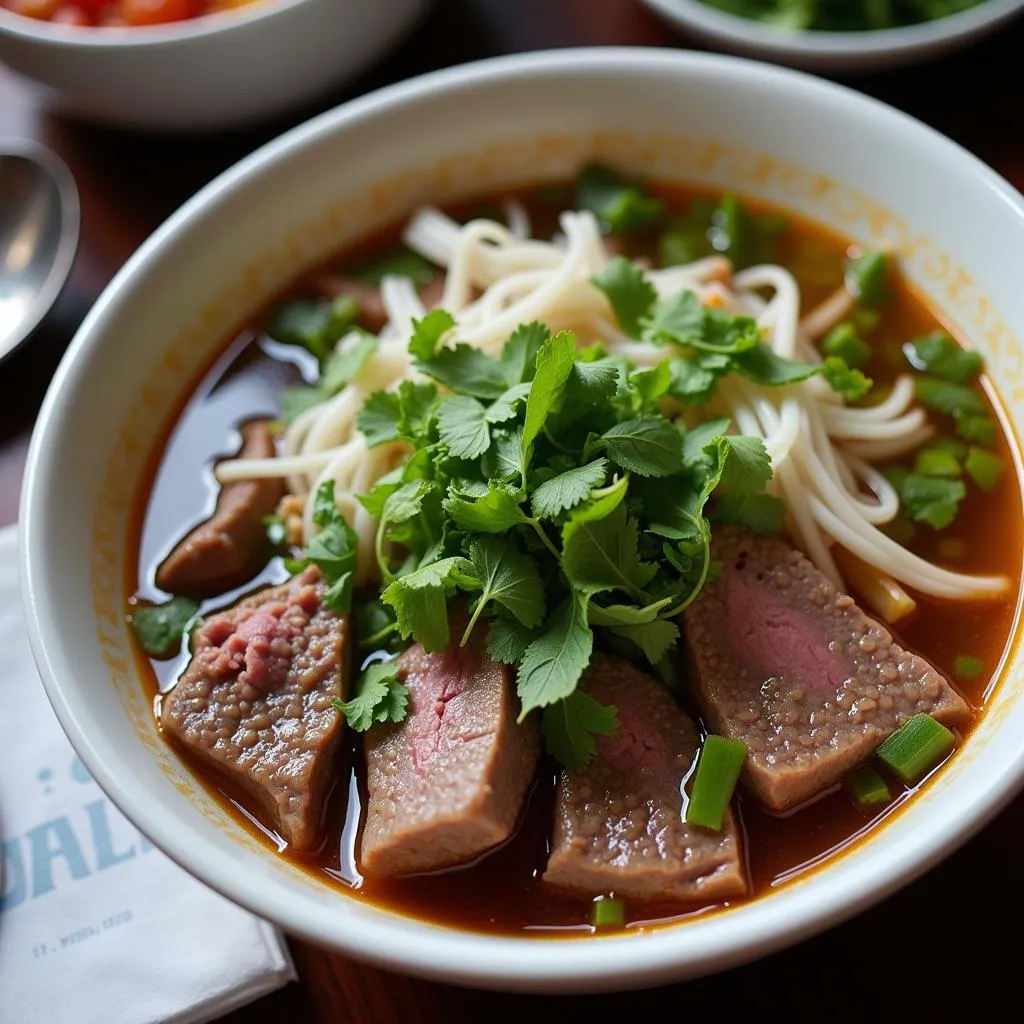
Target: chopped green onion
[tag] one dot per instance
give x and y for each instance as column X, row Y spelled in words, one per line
column 952, row 549
column 609, row 912
column 984, row 468
column 399, row 261
column 916, row 747
column 844, row 341
column 937, row 462
column 968, row 668
column 867, row 787
column 621, row 204
column 940, row 355
column 717, row 771
column 866, row 278
column 682, row 244
column 978, row 428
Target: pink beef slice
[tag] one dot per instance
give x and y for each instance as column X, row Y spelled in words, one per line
column 448, row 783
column 794, row 669
column 619, row 826
column 230, row 547
column 255, row 702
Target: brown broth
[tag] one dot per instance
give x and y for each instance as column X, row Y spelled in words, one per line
column 502, row 892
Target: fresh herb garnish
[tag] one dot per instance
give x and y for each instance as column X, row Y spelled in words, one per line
column 379, row 697
column 867, row 278
column 332, row 550
column 399, row 261
column 315, row 324
column 549, row 494
column 161, row 627
column 623, row 206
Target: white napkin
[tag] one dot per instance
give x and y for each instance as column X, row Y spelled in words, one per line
column 96, row 925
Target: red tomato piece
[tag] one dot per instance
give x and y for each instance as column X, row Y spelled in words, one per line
column 158, row 12
column 70, row 14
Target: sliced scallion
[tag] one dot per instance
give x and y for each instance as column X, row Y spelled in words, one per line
column 984, row 468
column 843, row 341
column 867, row 787
column 609, row 912
column 717, row 772
column 916, row 747
column 967, row 667
column 937, row 462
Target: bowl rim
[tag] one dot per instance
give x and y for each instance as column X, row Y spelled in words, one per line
column 117, row 36
column 883, row 42
column 397, row 942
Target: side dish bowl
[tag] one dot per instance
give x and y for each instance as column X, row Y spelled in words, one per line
column 774, row 135
column 837, row 52
column 230, row 68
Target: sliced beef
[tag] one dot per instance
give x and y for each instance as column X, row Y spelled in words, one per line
column 448, row 783
column 798, row 672
column 231, row 546
column 255, row 701
column 619, row 826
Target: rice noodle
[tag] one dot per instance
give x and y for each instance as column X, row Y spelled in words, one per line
column 823, row 451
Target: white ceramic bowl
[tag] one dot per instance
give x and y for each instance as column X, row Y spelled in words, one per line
column 837, row 51
column 231, row 68
column 810, row 146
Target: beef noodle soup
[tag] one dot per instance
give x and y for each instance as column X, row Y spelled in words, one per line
column 586, row 557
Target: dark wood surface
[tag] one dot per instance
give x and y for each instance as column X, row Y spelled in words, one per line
column 915, row 956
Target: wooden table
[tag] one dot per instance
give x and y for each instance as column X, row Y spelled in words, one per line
column 922, row 950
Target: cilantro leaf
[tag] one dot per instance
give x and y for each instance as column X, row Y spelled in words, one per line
column 506, row 406
column 497, row 512
column 931, row 500
column 650, row 385
column 691, row 382
column 462, row 425
column 161, row 627
column 332, row 550
column 621, row 204
column 697, row 439
column 850, row 384
column 419, row 602
column 416, row 400
column 505, row 460
column 467, row 371
column 298, row 399
column 341, row 367
column 519, row 353
column 629, row 292
column 428, row 332
column 682, row 320
column 938, row 354
column 378, row 418
column 398, row 261
column 760, row 364
column 569, row 727
column 603, row 554
column 567, row 489
column 507, row 640
column 653, row 638
column 379, row 697
column 554, row 364
column 762, row 514
column 314, row 324
column 508, row 577
column 589, row 386
column 648, row 445
column 625, row 614
column 554, row 662
column 748, row 467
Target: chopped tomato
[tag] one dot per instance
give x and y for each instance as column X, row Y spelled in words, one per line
column 42, row 9
column 157, row 12
column 70, row 14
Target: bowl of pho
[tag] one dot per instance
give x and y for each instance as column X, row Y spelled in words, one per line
column 583, row 524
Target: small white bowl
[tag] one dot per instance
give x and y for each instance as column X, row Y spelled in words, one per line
column 855, row 165
column 837, row 51
column 231, row 68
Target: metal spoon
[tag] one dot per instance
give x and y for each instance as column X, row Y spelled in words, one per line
column 39, row 218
